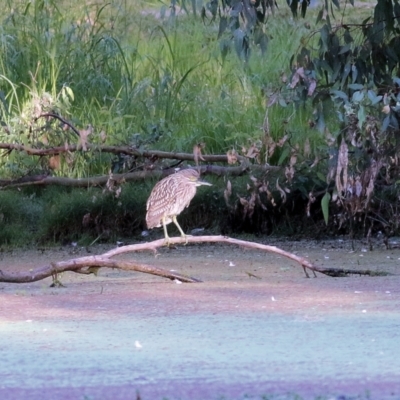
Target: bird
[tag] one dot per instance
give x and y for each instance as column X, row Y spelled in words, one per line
column 170, row 197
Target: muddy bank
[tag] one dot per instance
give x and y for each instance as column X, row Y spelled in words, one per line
column 272, row 333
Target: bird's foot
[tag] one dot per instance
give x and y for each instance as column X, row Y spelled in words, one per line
column 186, row 238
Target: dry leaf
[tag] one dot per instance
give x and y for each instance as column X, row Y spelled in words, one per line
column 253, row 151
column 266, row 127
column 372, row 172
column 263, row 188
column 243, row 201
column 295, row 80
column 289, row 173
column 283, row 140
column 197, row 152
column 83, row 137
column 311, row 199
column 228, row 192
column 254, row 179
column 272, row 100
column 271, row 149
column 330, row 140
column 316, row 161
column 281, row 191
column 293, row 159
column 231, row 155
column 296, row 77
column 311, row 87
column 342, row 166
column 103, row 136
column 86, row 220
column 55, row 162
column 307, row 148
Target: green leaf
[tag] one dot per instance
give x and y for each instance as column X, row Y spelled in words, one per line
column 361, row 116
column 261, row 39
column 223, row 24
column 336, row 3
column 321, row 177
column 355, row 86
column 373, row 97
column 347, row 37
column 69, row 92
column 284, row 155
column 293, row 6
column 239, row 36
column 320, row 15
column 393, row 122
column 339, row 94
column 357, row 96
column 325, row 206
column 385, row 123
column 345, row 48
column 354, row 73
column 282, row 102
column 324, row 35
column 346, row 72
column 212, row 6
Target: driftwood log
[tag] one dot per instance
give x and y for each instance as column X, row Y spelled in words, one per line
column 90, row 264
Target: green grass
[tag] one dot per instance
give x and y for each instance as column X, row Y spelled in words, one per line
column 19, row 214
column 126, row 73
column 143, row 81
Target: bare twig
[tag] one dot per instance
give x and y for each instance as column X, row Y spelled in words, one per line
column 64, row 121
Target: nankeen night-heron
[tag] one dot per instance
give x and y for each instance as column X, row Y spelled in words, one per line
column 170, row 197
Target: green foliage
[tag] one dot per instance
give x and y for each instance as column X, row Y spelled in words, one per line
column 137, row 80
column 169, row 83
column 85, row 215
column 325, row 206
column 19, row 214
column 352, row 69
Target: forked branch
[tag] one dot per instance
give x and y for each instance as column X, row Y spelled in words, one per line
column 87, row 264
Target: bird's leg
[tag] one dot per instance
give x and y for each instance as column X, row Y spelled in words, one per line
column 183, row 234
column 165, row 232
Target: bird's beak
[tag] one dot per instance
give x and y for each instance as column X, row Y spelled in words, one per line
column 203, row 183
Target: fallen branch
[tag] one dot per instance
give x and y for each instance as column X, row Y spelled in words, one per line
column 217, row 239
column 89, row 264
column 126, row 150
column 45, row 180
column 334, row 272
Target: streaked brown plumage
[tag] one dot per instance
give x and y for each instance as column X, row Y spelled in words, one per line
column 170, row 197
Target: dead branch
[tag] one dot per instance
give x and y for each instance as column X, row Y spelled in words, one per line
column 87, row 265
column 46, row 180
column 127, row 150
column 217, row 239
column 334, row 272
column 77, row 265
